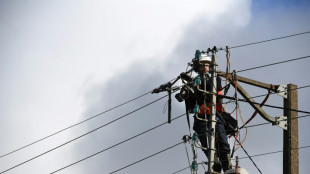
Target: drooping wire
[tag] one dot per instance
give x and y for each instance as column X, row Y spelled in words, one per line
column 116, row 144
column 87, row 133
column 235, row 81
column 227, row 68
column 261, row 105
column 76, row 124
column 246, row 133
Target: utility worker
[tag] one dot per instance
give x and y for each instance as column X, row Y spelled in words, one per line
column 200, row 126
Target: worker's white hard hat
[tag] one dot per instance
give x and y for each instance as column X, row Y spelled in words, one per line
column 205, row 58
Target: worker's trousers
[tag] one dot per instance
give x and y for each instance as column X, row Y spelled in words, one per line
column 221, row 143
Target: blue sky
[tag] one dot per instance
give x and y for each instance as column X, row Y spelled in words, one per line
column 64, row 61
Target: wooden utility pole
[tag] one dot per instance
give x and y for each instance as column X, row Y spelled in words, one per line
column 290, row 136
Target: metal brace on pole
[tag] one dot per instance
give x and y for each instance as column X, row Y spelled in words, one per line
column 281, row 121
column 282, row 91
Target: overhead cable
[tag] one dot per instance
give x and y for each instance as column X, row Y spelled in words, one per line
column 261, row 124
column 83, row 135
column 75, row 124
column 278, row 38
column 150, row 91
column 181, row 170
column 116, row 144
column 262, row 154
column 146, row 157
column 279, row 151
column 250, row 157
column 271, row 64
column 231, row 98
column 267, row 105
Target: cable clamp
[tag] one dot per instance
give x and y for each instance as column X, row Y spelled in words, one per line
column 282, row 91
column 186, row 138
column 281, row 121
column 227, row 49
column 234, row 75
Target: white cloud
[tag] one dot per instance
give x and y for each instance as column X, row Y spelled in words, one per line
column 52, row 53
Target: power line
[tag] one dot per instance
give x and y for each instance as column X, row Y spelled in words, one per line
column 146, row 157
column 267, row 105
column 279, row 107
column 150, row 91
column 266, row 66
column 144, row 133
column 83, row 135
column 116, row 144
column 231, row 98
column 76, row 124
column 249, row 156
column 269, row 153
column 53, row 134
column 271, row 64
column 262, row 154
column 283, row 37
column 261, row 124
column 181, row 170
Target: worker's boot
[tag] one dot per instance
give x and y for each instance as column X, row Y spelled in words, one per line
column 226, row 162
column 217, row 165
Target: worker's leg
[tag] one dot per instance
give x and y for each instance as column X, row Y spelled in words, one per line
column 222, row 146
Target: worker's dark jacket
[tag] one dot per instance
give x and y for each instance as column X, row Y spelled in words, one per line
column 200, row 126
